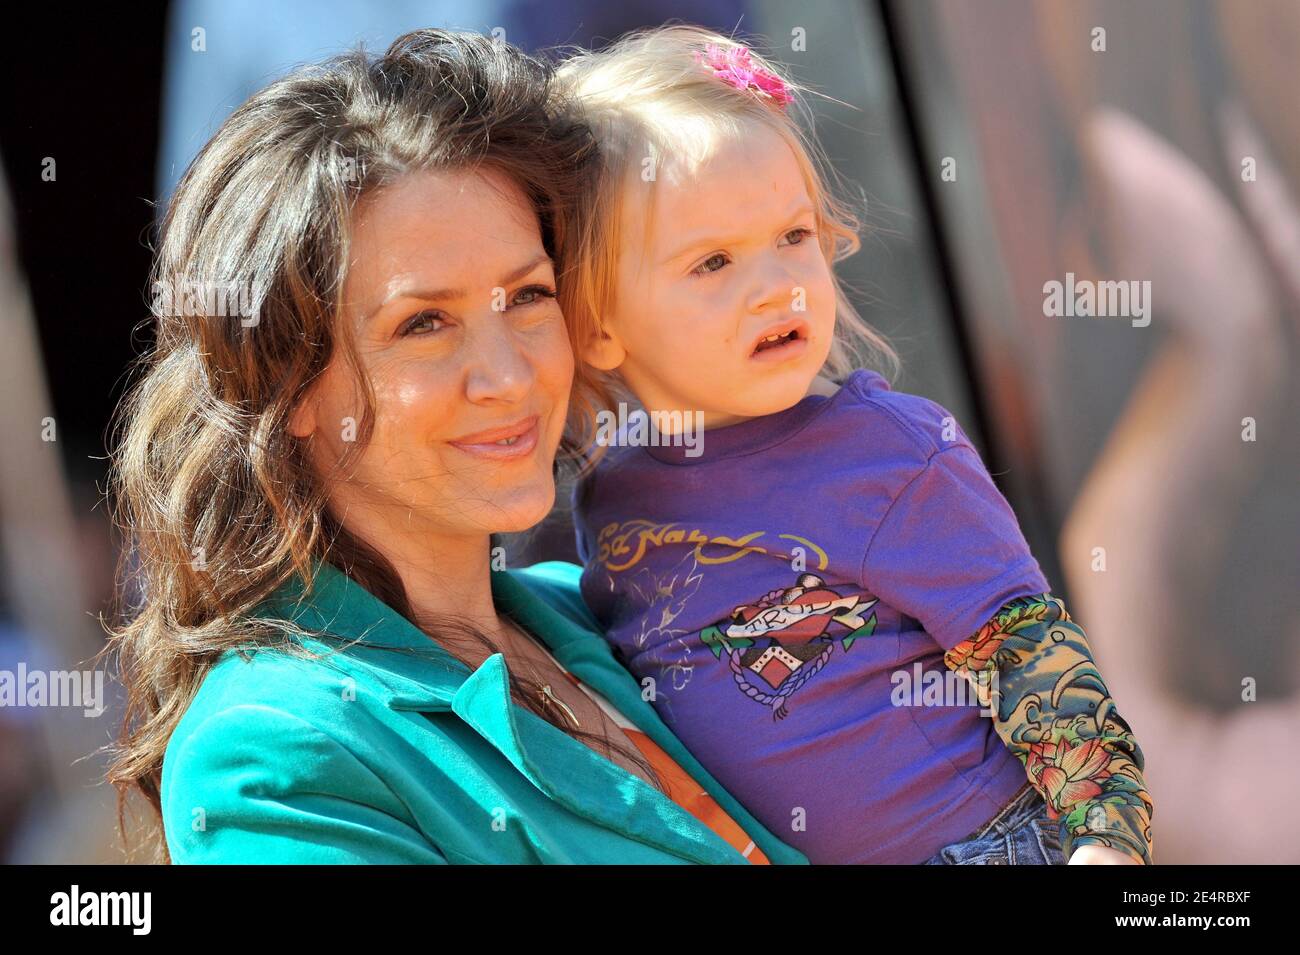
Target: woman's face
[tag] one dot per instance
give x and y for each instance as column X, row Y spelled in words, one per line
column 450, row 296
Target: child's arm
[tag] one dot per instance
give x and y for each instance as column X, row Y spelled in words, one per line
column 950, row 553
column 1052, row 709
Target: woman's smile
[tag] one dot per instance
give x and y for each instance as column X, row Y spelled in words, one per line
column 508, row 443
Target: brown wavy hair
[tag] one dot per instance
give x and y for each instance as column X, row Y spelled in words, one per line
column 213, row 496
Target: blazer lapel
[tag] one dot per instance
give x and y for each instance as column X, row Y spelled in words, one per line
column 422, row 677
column 577, row 777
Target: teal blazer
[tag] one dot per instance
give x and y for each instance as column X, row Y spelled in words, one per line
column 392, row 751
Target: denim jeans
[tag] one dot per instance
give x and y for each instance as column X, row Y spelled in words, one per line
column 1021, row 834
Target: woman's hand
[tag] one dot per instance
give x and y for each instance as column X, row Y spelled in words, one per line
column 1100, row 855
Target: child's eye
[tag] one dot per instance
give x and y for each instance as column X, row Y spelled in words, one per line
column 711, row 264
column 801, row 234
column 428, row 316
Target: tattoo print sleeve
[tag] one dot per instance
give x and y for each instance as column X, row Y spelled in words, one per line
column 1052, row 709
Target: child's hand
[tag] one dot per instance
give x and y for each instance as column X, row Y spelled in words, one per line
column 1100, row 855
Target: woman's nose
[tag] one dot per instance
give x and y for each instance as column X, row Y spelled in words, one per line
column 499, row 368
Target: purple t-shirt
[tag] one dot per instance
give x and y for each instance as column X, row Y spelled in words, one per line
column 785, row 589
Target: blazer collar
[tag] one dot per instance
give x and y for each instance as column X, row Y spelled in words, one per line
column 425, row 678
column 422, row 676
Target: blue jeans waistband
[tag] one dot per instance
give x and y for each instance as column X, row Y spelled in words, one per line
column 1027, row 800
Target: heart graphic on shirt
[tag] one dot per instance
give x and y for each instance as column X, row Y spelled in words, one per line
column 809, row 624
column 779, row 642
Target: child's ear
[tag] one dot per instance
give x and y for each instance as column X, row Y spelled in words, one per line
column 604, row 351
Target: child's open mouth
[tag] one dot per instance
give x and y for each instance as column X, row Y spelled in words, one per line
column 776, row 341
column 781, row 345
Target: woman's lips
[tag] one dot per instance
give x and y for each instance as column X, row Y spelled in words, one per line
column 483, row 444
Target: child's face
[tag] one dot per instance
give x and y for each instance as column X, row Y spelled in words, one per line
column 731, row 258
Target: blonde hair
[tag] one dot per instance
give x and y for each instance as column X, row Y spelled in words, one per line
column 648, row 96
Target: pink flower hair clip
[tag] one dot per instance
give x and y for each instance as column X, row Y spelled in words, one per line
column 733, row 65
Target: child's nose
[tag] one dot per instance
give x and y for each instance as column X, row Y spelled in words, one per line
column 774, row 287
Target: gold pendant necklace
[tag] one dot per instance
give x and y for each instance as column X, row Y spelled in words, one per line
column 546, row 690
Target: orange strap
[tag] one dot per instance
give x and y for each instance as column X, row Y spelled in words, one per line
column 678, row 784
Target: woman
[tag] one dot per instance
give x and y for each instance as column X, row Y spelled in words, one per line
column 323, row 666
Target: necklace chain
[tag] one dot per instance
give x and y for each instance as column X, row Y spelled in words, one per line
column 548, row 695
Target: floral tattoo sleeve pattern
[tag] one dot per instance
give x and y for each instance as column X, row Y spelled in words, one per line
column 1052, row 709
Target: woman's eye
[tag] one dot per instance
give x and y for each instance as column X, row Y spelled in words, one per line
column 800, row 235
column 426, row 317
column 533, row 294
column 711, row 264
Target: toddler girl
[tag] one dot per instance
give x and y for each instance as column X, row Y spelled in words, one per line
column 812, row 574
